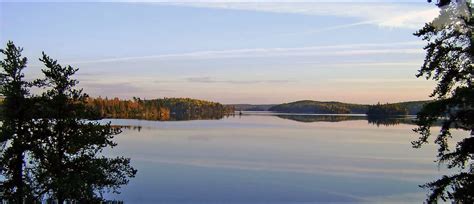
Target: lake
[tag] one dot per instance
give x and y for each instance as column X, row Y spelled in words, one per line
column 265, row 158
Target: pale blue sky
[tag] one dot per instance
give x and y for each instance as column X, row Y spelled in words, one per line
column 230, row 52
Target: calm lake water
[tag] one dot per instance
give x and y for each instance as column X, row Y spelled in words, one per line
column 273, row 159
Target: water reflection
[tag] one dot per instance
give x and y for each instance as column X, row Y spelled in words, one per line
column 128, row 127
column 268, row 159
column 377, row 121
column 321, row 118
column 197, row 116
column 305, row 118
column 390, row 121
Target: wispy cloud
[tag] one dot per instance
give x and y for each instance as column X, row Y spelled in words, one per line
column 336, row 27
column 121, row 89
column 413, row 47
column 376, row 81
column 211, row 80
column 405, row 64
column 400, row 14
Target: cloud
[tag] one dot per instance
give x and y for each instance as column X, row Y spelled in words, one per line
column 375, row 80
column 119, row 88
column 105, row 89
column 384, row 14
column 211, row 80
column 401, row 64
column 337, row 27
column 413, row 47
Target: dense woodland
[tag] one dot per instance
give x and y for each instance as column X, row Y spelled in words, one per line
column 379, row 110
column 159, row 109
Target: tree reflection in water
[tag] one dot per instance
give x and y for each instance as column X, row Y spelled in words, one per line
column 378, row 121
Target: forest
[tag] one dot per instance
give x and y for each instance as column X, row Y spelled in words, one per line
column 386, row 110
column 159, row 109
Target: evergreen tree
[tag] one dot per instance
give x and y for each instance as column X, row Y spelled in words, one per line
column 53, row 149
column 68, row 163
column 16, row 123
column 449, row 61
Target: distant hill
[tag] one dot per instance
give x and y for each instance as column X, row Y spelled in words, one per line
column 333, row 107
column 318, row 107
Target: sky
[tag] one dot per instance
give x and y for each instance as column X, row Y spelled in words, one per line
column 263, row 52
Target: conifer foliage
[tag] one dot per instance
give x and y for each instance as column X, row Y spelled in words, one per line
column 450, row 61
column 17, row 114
column 60, row 153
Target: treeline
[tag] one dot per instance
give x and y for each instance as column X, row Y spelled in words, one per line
column 159, row 109
column 386, row 110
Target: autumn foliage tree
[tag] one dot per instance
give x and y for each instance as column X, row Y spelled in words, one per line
column 159, row 109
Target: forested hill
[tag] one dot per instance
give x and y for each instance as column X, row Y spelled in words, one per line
column 318, row 107
column 159, row 109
